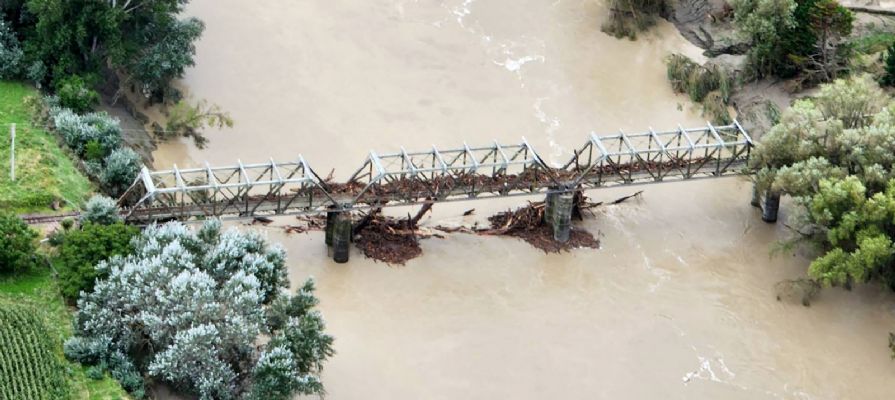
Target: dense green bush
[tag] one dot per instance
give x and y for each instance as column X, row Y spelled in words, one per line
column 889, row 76
column 17, row 244
column 119, row 171
column 100, row 210
column 82, row 249
column 11, row 55
column 75, row 93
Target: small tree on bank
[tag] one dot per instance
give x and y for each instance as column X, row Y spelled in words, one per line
column 187, row 308
column 17, row 244
column 889, row 75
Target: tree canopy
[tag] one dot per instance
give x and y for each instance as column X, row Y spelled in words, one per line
column 187, row 307
column 834, row 155
column 143, row 38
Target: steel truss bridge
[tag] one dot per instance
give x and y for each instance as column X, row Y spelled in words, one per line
column 436, row 175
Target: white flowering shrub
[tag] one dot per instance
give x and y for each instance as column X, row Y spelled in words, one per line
column 120, row 170
column 190, row 306
column 80, row 130
column 100, row 210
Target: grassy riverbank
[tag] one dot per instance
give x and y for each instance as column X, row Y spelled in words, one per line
column 44, row 172
column 38, row 292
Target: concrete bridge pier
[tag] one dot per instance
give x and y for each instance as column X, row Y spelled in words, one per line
column 562, row 217
column 771, row 206
column 549, row 206
column 756, row 196
column 330, row 224
column 338, row 233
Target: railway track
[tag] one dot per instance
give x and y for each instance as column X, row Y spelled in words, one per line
column 39, row 219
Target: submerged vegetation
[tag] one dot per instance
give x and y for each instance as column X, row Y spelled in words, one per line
column 627, row 18
column 708, row 85
column 834, row 155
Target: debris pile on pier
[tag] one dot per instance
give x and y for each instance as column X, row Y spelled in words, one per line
column 389, row 239
column 527, row 223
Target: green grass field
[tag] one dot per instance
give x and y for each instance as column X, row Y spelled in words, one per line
column 37, row 292
column 44, row 173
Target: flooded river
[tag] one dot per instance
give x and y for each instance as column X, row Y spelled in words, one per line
column 679, row 302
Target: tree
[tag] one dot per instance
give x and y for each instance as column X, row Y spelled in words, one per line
column 765, row 23
column 889, row 76
column 100, row 210
column 120, row 169
column 17, row 244
column 835, row 154
column 168, row 52
column 189, row 120
column 144, row 38
column 187, row 307
column 789, row 37
column 11, row 54
column 82, row 249
column 830, row 23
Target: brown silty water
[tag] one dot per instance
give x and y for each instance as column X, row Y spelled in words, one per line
column 678, row 303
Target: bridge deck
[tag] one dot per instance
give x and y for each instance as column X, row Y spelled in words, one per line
column 407, row 178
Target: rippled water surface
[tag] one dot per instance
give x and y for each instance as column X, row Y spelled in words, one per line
column 678, row 304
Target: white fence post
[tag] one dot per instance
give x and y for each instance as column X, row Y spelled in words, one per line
column 12, row 153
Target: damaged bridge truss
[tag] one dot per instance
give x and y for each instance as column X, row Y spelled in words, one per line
column 436, row 175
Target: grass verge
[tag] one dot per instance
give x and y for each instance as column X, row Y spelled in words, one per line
column 44, row 172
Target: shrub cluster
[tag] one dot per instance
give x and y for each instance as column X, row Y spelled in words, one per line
column 708, row 85
column 187, row 307
column 80, row 250
column 17, row 244
column 96, row 139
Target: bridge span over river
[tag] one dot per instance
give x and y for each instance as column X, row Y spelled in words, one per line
column 434, row 175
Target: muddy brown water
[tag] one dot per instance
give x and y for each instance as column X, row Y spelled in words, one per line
column 678, row 303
